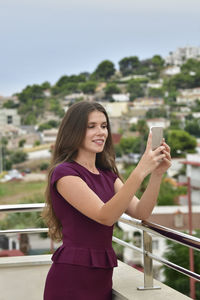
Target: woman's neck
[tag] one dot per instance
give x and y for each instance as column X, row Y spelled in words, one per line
column 87, row 161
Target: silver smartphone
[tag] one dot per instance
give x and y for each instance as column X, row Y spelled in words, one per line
column 157, row 136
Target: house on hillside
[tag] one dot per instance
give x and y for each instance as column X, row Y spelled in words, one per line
column 9, row 116
column 155, row 85
column 119, row 124
column 192, row 163
column 121, row 97
column 160, row 122
column 181, row 55
column 147, row 103
column 188, row 96
column 49, row 135
column 115, row 109
column 172, row 70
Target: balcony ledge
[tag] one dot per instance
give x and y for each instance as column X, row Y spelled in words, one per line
column 23, row 277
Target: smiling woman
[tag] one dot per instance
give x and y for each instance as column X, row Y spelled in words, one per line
column 95, row 139
column 85, row 197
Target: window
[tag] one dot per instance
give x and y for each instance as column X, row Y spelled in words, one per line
column 178, row 219
column 155, row 244
column 9, row 119
column 137, row 239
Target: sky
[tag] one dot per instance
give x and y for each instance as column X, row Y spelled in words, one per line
column 42, row 40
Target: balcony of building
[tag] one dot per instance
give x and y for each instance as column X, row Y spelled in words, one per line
column 23, row 277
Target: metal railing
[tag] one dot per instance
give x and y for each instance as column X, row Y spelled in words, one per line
column 148, row 228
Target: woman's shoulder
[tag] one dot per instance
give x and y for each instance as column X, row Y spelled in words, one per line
column 64, row 169
column 64, row 165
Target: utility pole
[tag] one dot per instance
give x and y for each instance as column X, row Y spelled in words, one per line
column 191, row 252
column 1, row 158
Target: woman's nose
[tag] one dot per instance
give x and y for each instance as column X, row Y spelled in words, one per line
column 100, row 130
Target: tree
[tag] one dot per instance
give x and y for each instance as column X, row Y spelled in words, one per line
column 10, row 104
column 31, row 104
column 21, row 143
column 157, row 93
column 63, row 80
column 105, row 70
column 135, row 89
column 18, row 157
column 191, row 65
column 46, row 85
column 111, row 88
column 179, row 255
column 54, row 105
column 68, row 84
column 157, row 63
column 169, row 193
column 129, row 65
column 143, row 130
column 196, row 106
column 128, row 145
column 31, row 93
column 193, row 127
column 175, row 123
column 156, row 113
column 37, row 143
column 180, row 142
column 88, row 87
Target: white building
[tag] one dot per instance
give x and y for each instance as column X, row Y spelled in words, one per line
column 174, row 217
column 192, row 163
column 172, row 70
column 181, row 55
column 115, row 109
column 188, row 96
column 154, row 85
column 49, row 135
column 147, row 103
column 9, row 116
column 158, row 122
column 121, row 97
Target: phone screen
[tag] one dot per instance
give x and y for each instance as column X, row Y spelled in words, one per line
column 157, row 137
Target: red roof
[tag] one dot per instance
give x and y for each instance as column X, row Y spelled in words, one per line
column 11, row 253
column 116, row 137
column 192, row 163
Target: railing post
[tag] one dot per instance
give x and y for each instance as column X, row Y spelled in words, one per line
column 148, row 264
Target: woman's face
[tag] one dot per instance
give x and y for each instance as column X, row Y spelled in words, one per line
column 96, row 132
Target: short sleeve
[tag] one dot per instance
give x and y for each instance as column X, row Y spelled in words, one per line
column 113, row 176
column 61, row 171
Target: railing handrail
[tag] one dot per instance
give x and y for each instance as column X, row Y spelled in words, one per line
column 21, row 207
column 168, row 233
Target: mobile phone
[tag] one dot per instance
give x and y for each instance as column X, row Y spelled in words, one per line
column 157, row 136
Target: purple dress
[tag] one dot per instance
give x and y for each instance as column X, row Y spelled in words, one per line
column 82, row 267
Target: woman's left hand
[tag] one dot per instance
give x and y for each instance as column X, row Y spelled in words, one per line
column 165, row 164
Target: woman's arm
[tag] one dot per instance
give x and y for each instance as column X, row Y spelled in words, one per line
column 141, row 209
column 79, row 195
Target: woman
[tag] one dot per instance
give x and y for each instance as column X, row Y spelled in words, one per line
column 85, row 197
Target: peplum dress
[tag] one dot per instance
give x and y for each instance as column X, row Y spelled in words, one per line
column 83, row 265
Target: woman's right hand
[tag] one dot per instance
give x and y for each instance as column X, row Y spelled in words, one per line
column 151, row 158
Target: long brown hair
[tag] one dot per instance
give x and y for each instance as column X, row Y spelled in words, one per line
column 69, row 138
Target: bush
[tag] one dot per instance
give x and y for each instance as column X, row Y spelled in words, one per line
column 18, row 157
column 44, row 166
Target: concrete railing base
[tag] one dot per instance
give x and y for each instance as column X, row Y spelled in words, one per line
column 23, row 277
